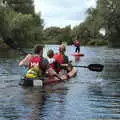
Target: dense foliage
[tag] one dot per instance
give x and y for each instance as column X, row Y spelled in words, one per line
column 22, row 6
column 22, row 25
column 58, row 34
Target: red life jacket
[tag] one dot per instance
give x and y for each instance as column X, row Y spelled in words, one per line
column 35, row 61
column 60, row 59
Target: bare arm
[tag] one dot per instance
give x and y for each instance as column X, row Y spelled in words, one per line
column 26, row 60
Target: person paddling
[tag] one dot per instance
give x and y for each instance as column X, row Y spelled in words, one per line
column 77, row 45
column 37, row 64
column 63, row 60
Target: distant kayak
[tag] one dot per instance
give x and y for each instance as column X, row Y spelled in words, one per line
column 78, row 54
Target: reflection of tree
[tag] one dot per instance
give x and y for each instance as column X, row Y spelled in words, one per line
column 35, row 99
column 47, row 102
column 55, row 105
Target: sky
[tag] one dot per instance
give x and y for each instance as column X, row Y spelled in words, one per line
column 61, row 13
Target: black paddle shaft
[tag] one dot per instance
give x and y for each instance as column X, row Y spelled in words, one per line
column 13, row 45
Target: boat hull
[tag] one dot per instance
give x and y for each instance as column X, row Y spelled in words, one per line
column 40, row 82
column 46, row 81
column 78, row 54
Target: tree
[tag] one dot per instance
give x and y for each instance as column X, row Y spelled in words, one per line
column 22, row 6
column 110, row 10
column 66, row 34
column 52, row 34
column 81, row 32
column 24, row 29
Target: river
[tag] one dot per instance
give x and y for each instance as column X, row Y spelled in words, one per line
column 88, row 96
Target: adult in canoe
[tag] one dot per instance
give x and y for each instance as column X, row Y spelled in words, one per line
column 37, row 64
column 77, row 45
column 63, row 60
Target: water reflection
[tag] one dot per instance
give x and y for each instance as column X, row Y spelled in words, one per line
column 34, row 99
column 77, row 58
column 44, row 103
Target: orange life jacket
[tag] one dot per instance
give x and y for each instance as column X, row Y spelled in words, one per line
column 59, row 58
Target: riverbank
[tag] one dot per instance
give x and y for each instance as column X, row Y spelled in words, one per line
column 54, row 42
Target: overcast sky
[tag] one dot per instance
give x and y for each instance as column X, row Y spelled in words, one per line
column 63, row 12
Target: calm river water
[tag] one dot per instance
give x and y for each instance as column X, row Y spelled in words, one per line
column 88, row 96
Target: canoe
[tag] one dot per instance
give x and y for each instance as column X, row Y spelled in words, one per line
column 40, row 82
column 46, row 81
column 78, row 54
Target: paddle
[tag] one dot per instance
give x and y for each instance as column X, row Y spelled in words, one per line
column 13, row 45
column 93, row 67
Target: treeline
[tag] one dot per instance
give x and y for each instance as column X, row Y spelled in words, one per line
column 20, row 22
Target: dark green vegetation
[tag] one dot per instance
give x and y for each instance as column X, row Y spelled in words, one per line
column 20, row 23
column 25, row 27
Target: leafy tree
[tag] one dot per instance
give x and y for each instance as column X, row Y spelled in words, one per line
column 22, row 6
column 52, row 33
column 4, row 24
column 110, row 10
column 24, row 30
column 58, row 34
column 66, row 34
column 81, row 32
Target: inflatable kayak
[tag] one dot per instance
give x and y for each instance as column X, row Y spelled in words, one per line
column 78, row 54
column 46, row 81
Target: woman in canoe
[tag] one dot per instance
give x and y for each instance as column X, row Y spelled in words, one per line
column 37, row 64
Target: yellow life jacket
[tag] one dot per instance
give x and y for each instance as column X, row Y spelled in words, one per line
column 34, row 70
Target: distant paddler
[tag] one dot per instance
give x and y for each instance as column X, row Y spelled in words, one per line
column 77, row 45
